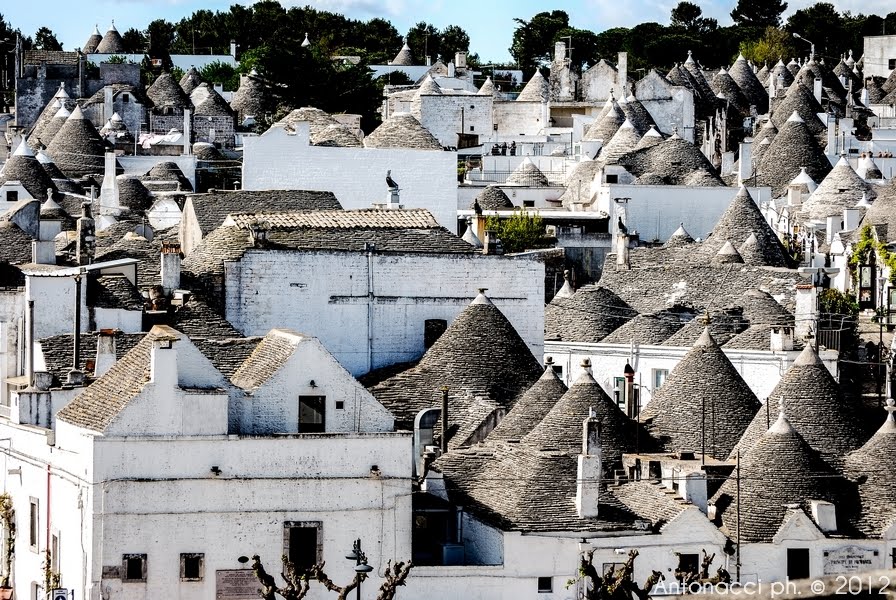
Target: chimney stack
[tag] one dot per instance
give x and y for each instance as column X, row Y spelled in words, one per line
column 622, row 75
column 108, row 108
column 86, row 236
column 589, row 472
column 171, row 258
column 460, row 60
column 444, row 443
column 816, row 89
column 105, row 351
column 109, row 196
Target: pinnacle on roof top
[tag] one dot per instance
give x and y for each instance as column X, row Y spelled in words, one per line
column 306, row 42
column 567, row 290
column 781, row 425
column 404, row 58
column 863, row 203
column 23, row 149
column 61, row 93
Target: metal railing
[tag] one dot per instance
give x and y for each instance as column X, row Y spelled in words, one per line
column 555, row 178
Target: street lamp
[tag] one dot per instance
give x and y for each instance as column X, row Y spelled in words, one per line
column 361, row 566
column 811, row 50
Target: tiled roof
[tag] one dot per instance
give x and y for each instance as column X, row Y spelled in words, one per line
column 23, row 167
column 779, row 470
column 268, row 357
column 227, row 355
column 15, row 244
column 537, row 489
column 51, row 57
column 673, row 160
column 57, row 352
column 198, row 321
column 480, row 353
column 704, row 400
column 562, row 425
column 740, row 220
column 78, row 149
column 115, row 291
column 536, row 89
column 212, row 208
column 649, row 500
column 531, row 407
column 367, row 218
column 589, row 315
column 402, row 130
column 814, row 406
column 492, row 197
column 794, row 147
column 877, row 493
column 131, row 245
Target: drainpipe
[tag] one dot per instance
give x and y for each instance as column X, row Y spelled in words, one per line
column 369, row 248
column 76, row 359
column 444, row 391
column 29, row 360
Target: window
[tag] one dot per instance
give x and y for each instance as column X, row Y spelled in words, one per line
column 545, row 585
column 612, row 178
column 340, row 404
column 619, row 385
column 33, row 515
column 192, row 567
column 689, row 563
column 472, row 128
column 558, row 370
column 125, row 98
column 659, row 378
column 133, row 567
column 311, row 414
column 303, row 543
column 891, row 64
column 12, row 196
column 797, row 563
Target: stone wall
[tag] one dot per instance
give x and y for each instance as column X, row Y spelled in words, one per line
column 447, row 115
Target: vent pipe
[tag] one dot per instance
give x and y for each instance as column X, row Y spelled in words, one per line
column 444, row 390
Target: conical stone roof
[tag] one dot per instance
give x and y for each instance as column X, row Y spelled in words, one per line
column 480, row 353
column 336, row 136
column 637, row 114
column 590, row 315
column 623, row 141
column 814, row 407
column 651, row 138
column 890, row 83
column 487, row 89
column 680, row 237
column 727, row 254
column 111, row 42
column 78, row 149
column 798, row 99
column 763, row 74
column 876, row 94
column 727, row 88
column 779, row 470
column 562, row 425
column 169, row 171
column 165, row 92
column 741, row 219
column 605, row 127
column 843, row 70
column 674, row 161
column 93, row 41
column 676, row 415
column 190, row 80
column 527, row 174
column 536, row 90
column 872, row 466
column 404, row 58
column 868, row 169
column 317, row 119
column 49, row 166
column 207, row 102
column 53, row 127
column 649, row 329
column 493, row 198
column 793, row 67
column 251, row 97
column 531, row 407
column 23, row 167
column 793, row 148
column 49, row 111
column 579, row 183
column 402, row 130
column 842, row 188
column 783, row 76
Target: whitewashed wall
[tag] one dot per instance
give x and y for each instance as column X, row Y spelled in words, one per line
column 447, row 115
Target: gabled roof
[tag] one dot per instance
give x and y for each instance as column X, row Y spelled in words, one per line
column 589, row 315
column 115, row 292
column 23, row 167
column 78, row 149
column 740, row 220
column 57, row 352
column 479, row 354
column 877, row 493
column 402, row 130
column 268, row 357
column 704, row 400
column 111, row 42
column 531, row 407
column 815, row 407
column 212, row 208
column 840, row 189
column 197, row 320
column 779, row 470
column 536, row 89
column 793, row 148
column 562, row 425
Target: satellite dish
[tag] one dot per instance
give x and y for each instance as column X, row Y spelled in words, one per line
column 144, row 231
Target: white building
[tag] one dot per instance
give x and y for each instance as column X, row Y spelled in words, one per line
column 879, row 58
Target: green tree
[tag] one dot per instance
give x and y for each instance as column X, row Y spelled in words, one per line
column 424, row 40
column 822, row 24
column 134, row 41
column 533, row 40
column 44, row 39
column 758, row 14
column 522, row 231
column 219, row 72
column 775, row 44
column 454, row 40
column 689, row 17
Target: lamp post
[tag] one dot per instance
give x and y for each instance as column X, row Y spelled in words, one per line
column 812, row 46
column 361, row 566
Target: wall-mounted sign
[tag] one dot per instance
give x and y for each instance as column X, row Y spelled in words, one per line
column 236, row 584
column 850, row 559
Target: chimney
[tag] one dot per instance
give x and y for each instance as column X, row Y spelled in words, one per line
column 188, row 131
column 622, row 75
column 816, row 89
column 428, row 61
column 109, row 200
column 622, row 261
column 825, row 515
column 171, row 258
column 108, row 107
column 772, row 87
column 863, row 96
column 694, row 490
column 105, row 351
column 460, row 60
column 794, row 195
column 832, row 137
column 259, row 234
column 163, row 361
column 851, row 218
column 491, row 244
column 233, row 47
column 745, row 164
column 392, row 199
column 29, row 351
column 444, row 390
column 559, row 51
column 588, row 474
column 452, row 70
column 782, row 339
column 806, row 310
column 75, row 375
column 86, row 236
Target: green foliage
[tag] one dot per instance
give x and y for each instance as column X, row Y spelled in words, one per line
column 862, row 250
column 758, row 14
column 116, row 59
column 835, row 302
column 522, row 231
column 44, row 39
column 774, row 44
column 8, row 520
column 688, row 17
column 219, row 72
column 454, row 40
column 533, row 40
column 134, row 41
